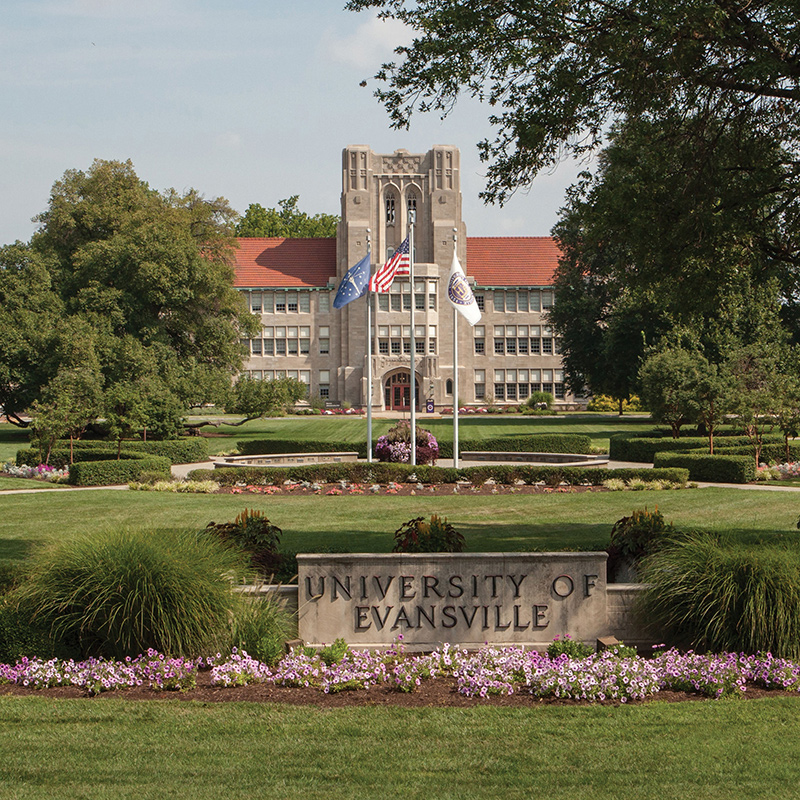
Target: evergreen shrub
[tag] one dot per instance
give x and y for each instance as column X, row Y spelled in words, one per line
column 113, row 472
column 714, row 469
column 625, row 447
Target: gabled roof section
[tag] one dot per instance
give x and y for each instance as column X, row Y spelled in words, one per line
column 512, row 260
column 285, row 262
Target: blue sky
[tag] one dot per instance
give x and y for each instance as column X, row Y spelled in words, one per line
column 252, row 100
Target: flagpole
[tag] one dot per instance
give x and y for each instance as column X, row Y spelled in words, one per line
column 369, row 359
column 455, row 369
column 411, row 220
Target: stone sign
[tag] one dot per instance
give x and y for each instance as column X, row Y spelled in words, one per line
column 461, row 598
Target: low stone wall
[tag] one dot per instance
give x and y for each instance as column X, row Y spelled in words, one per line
column 564, row 459
column 283, row 459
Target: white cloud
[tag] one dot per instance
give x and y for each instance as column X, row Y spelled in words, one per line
column 230, row 140
column 369, row 45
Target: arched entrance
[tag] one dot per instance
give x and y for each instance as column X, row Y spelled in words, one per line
column 397, row 391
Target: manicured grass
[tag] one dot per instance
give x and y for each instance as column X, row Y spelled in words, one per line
column 25, row 483
column 112, row 749
column 599, row 427
column 365, row 523
column 12, row 439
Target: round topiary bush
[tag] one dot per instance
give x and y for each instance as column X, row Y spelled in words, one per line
column 119, row 592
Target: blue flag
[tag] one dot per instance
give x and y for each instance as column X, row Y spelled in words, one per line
column 354, row 283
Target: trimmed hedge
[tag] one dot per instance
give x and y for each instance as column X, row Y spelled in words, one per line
column 623, row 447
column 385, row 472
column 109, row 473
column 533, row 443
column 769, row 452
column 714, row 469
column 178, row 451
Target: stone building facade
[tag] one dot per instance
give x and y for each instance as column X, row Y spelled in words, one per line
column 291, row 283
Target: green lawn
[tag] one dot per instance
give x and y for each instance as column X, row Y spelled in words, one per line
column 104, row 748
column 599, row 427
column 12, row 439
column 365, row 523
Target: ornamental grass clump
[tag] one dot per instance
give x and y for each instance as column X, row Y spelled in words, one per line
column 118, row 593
column 707, row 593
column 260, row 625
column 255, row 535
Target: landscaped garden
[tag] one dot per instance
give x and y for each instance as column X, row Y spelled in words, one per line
column 505, row 705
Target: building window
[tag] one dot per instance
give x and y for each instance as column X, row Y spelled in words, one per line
column 390, row 209
column 396, row 347
column 511, row 391
column 547, row 300
column 324, row 302
column 499, row 301
column 324, row 382
column 383, row 302
column 522, row 301
column 479, row 301
column 547, row 346
column 499, row 391
column 419, row 302
column 535, row 303
column 305, row 302
column 383, row 347
column 432, row 347
column 280, row 347
column 255, row 347
column 406, row 302
column 535, row 346
column 324, row 340
column 396, row 302
column 499, row 347
column 511, row 347
column 291, row 302
column 407, row 347
column 411, row 205
column 511, row 301
column 448, row 386
column 480, row 384
column 255, row 302
column 480, row 346
column 522, row 346
column 419, row 347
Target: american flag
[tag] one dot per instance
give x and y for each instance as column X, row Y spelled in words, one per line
column 398, row 264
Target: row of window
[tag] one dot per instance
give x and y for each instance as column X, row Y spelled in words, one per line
column 399, row 299
column 518, row 340
column 289, row 340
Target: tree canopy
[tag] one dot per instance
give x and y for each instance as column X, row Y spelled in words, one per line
column 557, row 73
column 125, row 285
column 286, row 221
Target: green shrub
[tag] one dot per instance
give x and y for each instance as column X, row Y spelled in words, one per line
column 635, row 537
column 708, row 594
column 253, row 533
column 568, row 647
column 261, row 625
column 112, row 472
column 400, row 473
column 178, row 451
column 632, row 447
column 714, row 469
column 334, row 652
column 539, row 400
column 436, row 536
column 120, row 592
column 22, row 637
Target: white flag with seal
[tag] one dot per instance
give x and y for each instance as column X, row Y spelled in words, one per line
column 460, row 294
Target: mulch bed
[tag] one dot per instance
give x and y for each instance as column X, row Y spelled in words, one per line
column 407, row 489
column 438, row 693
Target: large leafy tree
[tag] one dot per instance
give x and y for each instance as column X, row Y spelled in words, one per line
column 129, row 283
column 556, row 73
column 286, row 221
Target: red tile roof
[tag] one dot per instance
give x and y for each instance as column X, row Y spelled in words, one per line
column 285, row 262
column 491, row 260
column 511, row 260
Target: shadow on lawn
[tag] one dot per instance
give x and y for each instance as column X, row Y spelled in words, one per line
column 17, row 549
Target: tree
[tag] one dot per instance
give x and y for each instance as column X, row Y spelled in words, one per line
column 255, row 399
column 29, row 314
column 555, row 74
column 665, row 379
column 124, row 411
column 286, row 221
column 142, row 281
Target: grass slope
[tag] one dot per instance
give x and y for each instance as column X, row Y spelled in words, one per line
column 97, row 749
column 365, row 523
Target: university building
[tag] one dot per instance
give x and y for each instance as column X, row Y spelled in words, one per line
column 291, row 283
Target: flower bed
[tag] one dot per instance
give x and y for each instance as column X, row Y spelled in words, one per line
column 600, row 677
column 42, row 472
